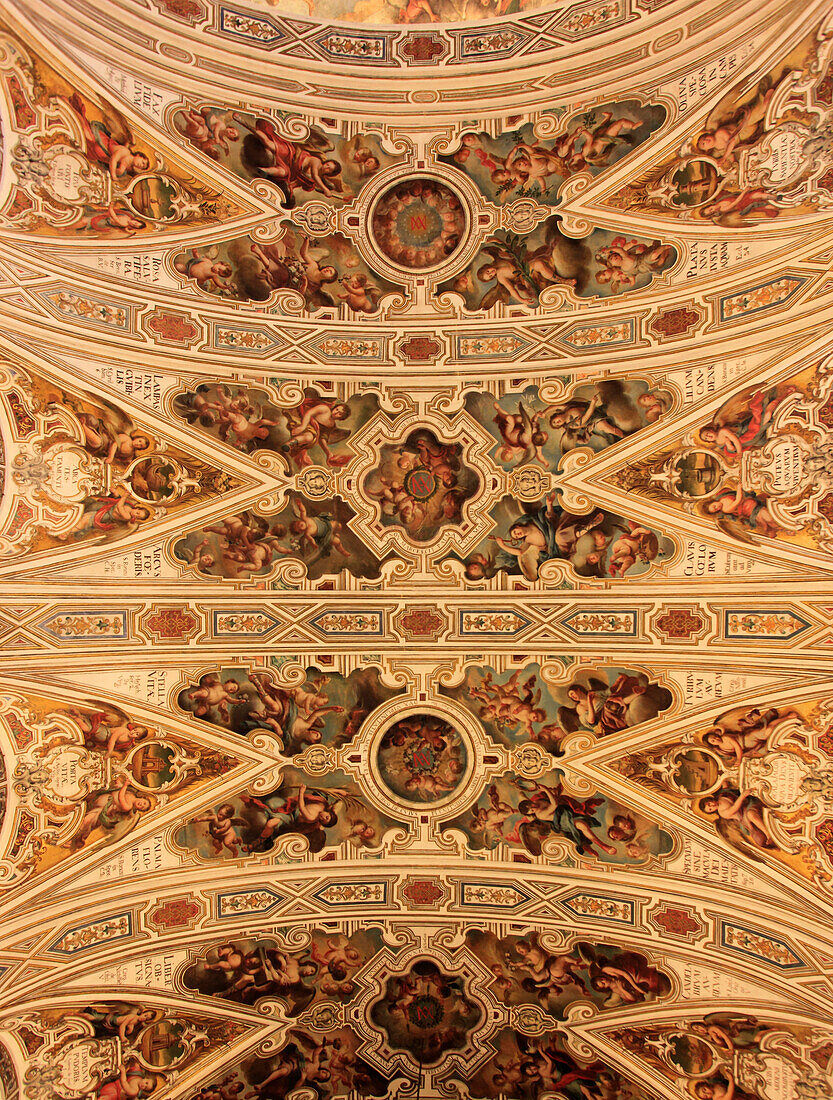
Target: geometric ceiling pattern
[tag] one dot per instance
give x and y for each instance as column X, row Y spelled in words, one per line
column 415, row 550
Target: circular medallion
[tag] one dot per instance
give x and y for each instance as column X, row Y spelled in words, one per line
column 422, row 758
column 425, row 1011
column 420, row 483
column 419, row 223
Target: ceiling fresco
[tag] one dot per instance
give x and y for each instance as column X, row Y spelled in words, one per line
column 415, row 550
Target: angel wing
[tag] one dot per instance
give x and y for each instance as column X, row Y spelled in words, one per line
column 733, row 834
column 114, row 419
column 736, row 530
column 316, row 839
column 595, row 684
column 532, row 834
column 318, row 141
column 496, row 294
column 568, row 719
column 499, row 251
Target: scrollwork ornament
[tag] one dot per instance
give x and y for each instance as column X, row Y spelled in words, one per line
column 316, row 482
column 530, row 761
column 318, row 759
column 523, row 215
column 317, row 218
column 529, row 483
column 530, row 1020
column 324, row 1017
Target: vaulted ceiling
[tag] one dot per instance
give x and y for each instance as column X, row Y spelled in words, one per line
column 415, row 549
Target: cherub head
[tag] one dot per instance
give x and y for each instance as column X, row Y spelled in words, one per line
column 476, row 568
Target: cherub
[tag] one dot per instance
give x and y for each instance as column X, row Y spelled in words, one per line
column 440, row 459
column 201, row 556
column 528, row 543
column 397, row 501
column 316, row 276
column 491, row 818
column 121, row 512
column 365, row 159
column 246, row 431
column 480, row 567
column 212, row 693
column 309, row 699
column 429, row 786
column 623, row 262
column 601, row 137
column 107, row 809
column 359, row 293
column 109, row 730
column 105, row 148
column 253, row 557
column 312, row 810
column 101, row 219
column 522, row 436
column 337, row 955
column 749, row 509
column 556, row 972
column 519, row 707
column 654, row 404
column 206, row 270
column 315, row 422
column 412, row 10
column 306, row 729
column 222, row 827
column 208, row 129
column 636, row 544
column 316, row 532
column 560, row 260
column 532, row 165
column 743, row 809
column 131, row 1083
column 237, row 528
column 510, row 283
